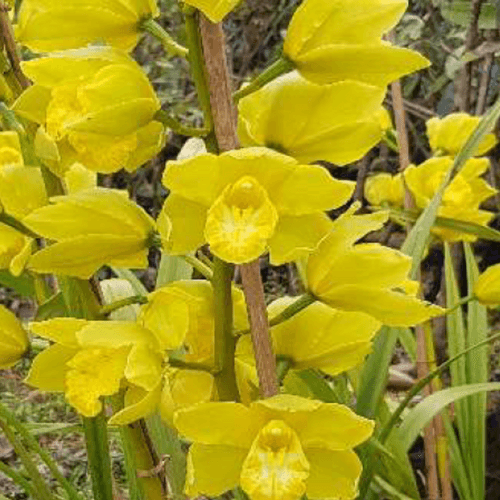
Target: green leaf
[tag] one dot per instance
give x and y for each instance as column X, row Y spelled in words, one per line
column 374, row 373
column 127, row 274
column 418, row 417
column 389, row 491
column 23, row 285
column 79, row 298
column 39, row 429
column 477, row 363
column 52, row 308
column 456, row 339
column 115, row 289
column 319, row 387
column 172, row 268
column 393, row 466
column 409, row 343
column 483, row 232
column 459, row 12
column 167, row 444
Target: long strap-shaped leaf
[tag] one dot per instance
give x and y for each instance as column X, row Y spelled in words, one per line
column 424, row 412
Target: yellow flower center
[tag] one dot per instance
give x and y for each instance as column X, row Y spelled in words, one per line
column 275, row 467
column 240, row 221
column 10, row 156
column 63, row 108
column 94, row 373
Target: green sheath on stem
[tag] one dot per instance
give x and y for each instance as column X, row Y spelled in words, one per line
column 225, row 341
column 96, row 437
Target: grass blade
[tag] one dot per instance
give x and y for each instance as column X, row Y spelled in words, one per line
column 477, row 372
column 418, row 417
column 373, row 377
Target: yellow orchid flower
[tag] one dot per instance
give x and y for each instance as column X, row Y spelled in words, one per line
column 246, row 201
column 79, row 178
column 92, row 228
column 10, row 149
column 51, row 25
column 89, row 359
column 215, row 10
column 13, row 339
column 462, row 197
column 181, row 317
column 383, row 188
column 338, row 123
column 277, row 449
column 334, row 40
column 317, row 337
column 487, row 287
column 447, row 135
column 366, row 277
column 97, row 105
column 15, row 249
column 22, row 190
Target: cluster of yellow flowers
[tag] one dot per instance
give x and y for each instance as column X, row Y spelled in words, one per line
column 465, row 193
column 93, row 110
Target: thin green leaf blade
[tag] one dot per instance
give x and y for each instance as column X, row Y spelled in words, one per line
column 373, row 377
column 418, row 417
column 477, row 372
column 23, row 285
column 456, row 340
column 167, row 444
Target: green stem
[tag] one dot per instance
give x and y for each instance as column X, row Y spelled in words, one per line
column 304, row 301
column 18, row 479
column 149, row 25
column 32, row 443
column 42, row 491
column 461, row 303
column 118, row 304
column 185, row 365
column 197, row 63
column 12, row 222
column 283, row 366
column 199, row 266
column 96, row 438
column 301, row 303
column 278, row 68
column 224, row 340
column 11, row 122
column 177, row 127
column 9, row 76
